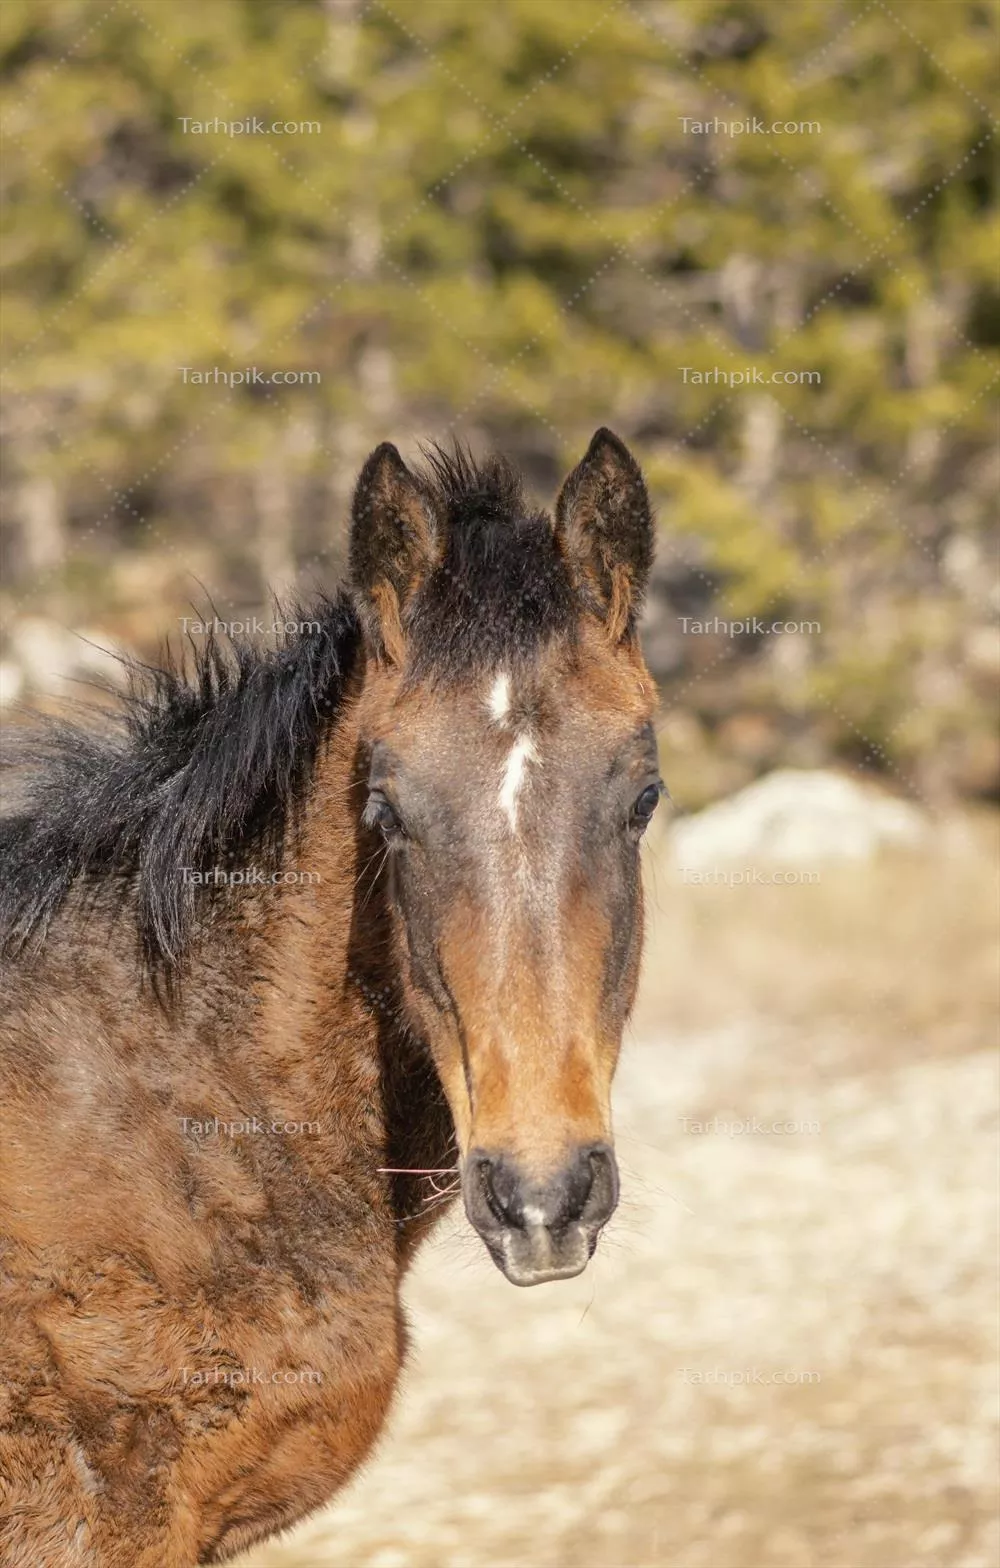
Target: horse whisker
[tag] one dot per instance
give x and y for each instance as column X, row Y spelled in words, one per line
column 415, row 1170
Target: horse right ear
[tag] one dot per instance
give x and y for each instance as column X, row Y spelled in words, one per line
column 392, row 547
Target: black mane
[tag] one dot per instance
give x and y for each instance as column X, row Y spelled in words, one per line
column 212, row 761
column 199, row 763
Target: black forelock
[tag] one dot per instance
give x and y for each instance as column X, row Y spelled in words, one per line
column 500, row 587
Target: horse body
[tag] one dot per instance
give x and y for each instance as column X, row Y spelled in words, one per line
column 212, row 1162
column 209, row 1303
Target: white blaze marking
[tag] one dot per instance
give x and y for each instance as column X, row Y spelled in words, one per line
column 521, row 753
column 499, row 700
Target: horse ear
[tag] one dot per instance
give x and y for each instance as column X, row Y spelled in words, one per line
column 392, row 546
column 604, row 526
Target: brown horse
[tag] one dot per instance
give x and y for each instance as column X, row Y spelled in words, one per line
column 314, row 928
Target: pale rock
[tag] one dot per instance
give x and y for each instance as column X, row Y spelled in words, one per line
column 797, row 816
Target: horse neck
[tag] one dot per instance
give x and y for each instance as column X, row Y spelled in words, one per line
column 330, row 1019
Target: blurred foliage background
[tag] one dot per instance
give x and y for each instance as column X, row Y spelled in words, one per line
column 489, row 221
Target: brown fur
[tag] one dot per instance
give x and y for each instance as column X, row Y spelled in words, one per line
column 142, row 1265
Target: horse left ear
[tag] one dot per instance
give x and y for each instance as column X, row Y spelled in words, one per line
column 604, row 526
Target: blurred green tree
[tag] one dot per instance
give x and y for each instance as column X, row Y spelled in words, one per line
column 513, row 223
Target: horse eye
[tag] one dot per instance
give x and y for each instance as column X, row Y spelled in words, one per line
column 379, row 813
column 645, row 805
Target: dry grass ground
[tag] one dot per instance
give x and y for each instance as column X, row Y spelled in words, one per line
column 842, row 1263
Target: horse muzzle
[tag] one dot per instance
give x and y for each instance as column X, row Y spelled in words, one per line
column 538, row 1229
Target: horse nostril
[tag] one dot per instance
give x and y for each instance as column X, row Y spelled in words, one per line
column 576, row 1185
column 499, row 1189
column 591, row 1189
column 602, row 1187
